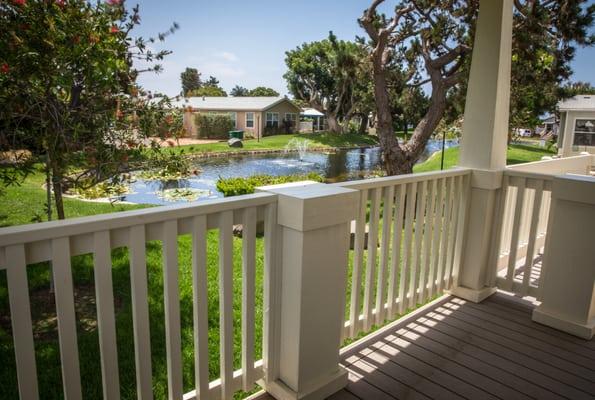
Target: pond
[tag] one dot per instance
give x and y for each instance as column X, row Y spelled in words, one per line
column 338, row 166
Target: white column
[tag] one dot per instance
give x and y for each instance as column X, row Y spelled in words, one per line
column 484, row 141
column 313, row 221
column 568, row 283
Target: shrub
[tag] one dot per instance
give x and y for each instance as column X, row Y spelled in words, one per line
column 238, row 186
column 213, row 126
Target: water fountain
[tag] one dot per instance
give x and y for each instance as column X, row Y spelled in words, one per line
column 299, row 145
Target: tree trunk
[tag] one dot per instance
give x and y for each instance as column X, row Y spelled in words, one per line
column 333, row 123
column 48, row 187
column 363, row 124
column 57, row 186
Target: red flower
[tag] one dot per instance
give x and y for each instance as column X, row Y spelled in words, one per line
column 19, row 2
column 114, row 2
column 61, row 3
column 170, row 143
column 4, row 68
column 114, row 29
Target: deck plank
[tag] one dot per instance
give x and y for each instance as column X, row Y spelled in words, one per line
column 456, row 349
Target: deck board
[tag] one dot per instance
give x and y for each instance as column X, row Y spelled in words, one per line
column 456, row 349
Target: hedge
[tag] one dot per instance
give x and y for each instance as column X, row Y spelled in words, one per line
column 238, row 186
column 213, row 126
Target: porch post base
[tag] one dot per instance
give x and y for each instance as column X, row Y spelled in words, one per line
column 472, row 295
column 583, row 331
column 318, row 391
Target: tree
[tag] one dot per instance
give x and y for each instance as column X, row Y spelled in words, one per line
column 239, row 91
column 68, row 91
column 545, row 34
column 324, row 74
column 190, row 80
column 262, row 91
column 437, row 36
column 577, row 88
column 212, row 81
column 208, row 91
column 432, row 35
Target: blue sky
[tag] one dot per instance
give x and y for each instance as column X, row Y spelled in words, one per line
column 244, row 42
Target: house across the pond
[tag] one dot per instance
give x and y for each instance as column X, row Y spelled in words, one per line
column 256, row 116
column 577, row 125
column 312, row 120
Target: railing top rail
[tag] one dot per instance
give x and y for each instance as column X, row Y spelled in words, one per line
column 403, row 179
column 529, row 175
column 84, row 225
column 555, row 166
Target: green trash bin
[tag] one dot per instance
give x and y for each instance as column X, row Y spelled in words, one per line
column 236, row 135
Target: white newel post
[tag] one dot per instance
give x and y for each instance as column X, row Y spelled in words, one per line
column 484, row 141
column 568, row 282
column 313, row 224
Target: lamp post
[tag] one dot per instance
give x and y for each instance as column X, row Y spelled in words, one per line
column 442, row 155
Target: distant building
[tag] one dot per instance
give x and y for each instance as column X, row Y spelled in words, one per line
column 253, row 115
column 312, row 120
column 577, row 125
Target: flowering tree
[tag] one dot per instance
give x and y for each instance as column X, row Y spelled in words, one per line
column 68, row 89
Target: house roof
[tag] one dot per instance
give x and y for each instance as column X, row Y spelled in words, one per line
column 230, row 103
column 583, row 102
column 310, row 112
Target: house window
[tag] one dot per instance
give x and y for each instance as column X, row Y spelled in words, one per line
column 272, row 120
column 584, row 133
column 250, row 120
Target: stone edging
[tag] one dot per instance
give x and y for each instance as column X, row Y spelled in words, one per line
column 271, row 151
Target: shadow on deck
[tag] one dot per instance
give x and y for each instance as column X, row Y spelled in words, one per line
column 457, row 349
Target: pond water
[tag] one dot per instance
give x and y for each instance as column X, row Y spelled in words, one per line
column 340, row 166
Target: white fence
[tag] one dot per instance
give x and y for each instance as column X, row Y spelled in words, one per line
column 58, row 242
column 407, row 250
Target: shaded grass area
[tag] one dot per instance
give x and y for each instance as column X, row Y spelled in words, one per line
column 278, row 142
column 517, row 154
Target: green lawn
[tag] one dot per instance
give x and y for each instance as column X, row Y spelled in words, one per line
column 517, row 154
column 21, row 204
column 278, row 142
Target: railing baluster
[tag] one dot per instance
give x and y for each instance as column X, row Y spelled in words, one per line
column 427, row 241
column 411, row 193
column 358, row 261
column 271, row 296
column 437, row 223
column 106, row 319
column 226, row 302
column 66, row 318
column 465, row 193
column 387, row 212
column 514, row 241
column 248, row 296
column 171, row 287
column 528, row 267
column 200, row 306
column 452, row 232
column 396, row 250
column 442, row 270
column 20, row 316
column 371, row 264
column 419, row 228
column 498, row 228
column 140, row 313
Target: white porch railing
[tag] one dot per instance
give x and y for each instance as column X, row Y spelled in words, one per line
column 58, row 241
column 522, row 220
column 414, row 226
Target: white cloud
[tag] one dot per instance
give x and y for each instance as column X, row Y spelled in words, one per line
column 227, row 56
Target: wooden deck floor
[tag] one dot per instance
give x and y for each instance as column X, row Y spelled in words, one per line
column 459, row 350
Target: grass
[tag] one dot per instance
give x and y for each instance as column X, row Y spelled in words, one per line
column 517, row 154
column 278, row 142
column 21, row 204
